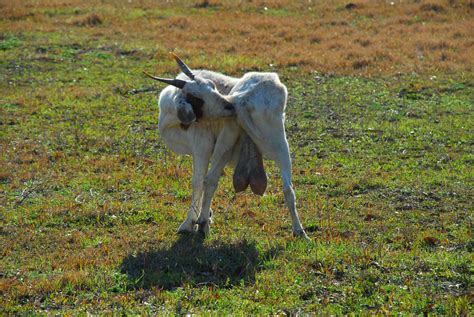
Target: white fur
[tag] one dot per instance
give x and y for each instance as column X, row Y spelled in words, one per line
column 259, row 100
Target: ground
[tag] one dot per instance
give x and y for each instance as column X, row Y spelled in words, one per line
column 379, row 121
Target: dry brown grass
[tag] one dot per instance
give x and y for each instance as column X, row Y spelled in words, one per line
column 343, row 37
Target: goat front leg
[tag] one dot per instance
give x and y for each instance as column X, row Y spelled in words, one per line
column 200, row 165
column 220, row 157
column 210, row 185
column 202, row 147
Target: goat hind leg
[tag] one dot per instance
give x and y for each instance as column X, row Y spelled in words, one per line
column 284, row 163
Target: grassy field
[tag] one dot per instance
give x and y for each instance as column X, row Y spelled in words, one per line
column 380, row 124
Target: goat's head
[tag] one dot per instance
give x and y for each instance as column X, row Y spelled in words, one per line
column 200, row 92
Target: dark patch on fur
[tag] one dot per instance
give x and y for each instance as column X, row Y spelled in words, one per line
column 197, row 105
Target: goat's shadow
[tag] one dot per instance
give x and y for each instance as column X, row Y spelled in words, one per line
column 191, row 261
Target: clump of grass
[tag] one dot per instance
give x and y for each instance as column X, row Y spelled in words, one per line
column 204, row 4
column 9, row 42
column 5, row 177
column 360, row 64
column 435, row 7
column 92, row 19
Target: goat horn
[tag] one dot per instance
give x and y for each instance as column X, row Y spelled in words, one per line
column 184, row 68
column 173, row 82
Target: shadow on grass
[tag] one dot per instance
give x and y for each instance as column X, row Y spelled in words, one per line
column 190, row 261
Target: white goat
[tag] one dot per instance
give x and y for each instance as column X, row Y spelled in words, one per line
column 210, row 116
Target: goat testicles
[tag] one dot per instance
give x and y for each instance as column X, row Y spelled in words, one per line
column 249, row 169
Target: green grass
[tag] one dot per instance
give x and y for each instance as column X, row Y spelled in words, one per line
column 9, row 42
column 90, row 198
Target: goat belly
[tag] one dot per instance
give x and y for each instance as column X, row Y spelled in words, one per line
column 249, row 169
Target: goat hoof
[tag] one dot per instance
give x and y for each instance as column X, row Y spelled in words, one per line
column 301, row 234
column 204, row 227
column 186, row 228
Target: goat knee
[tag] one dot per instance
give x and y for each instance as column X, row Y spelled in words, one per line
column 210, row 183
column 288, row 191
